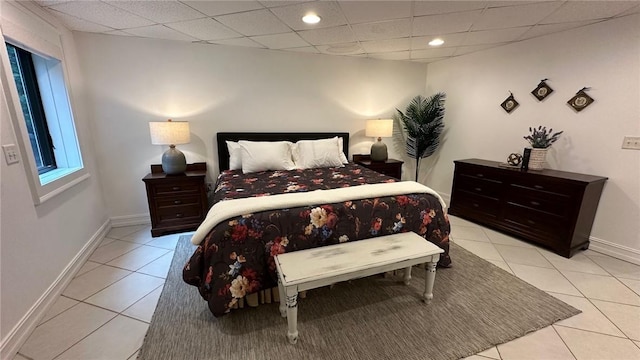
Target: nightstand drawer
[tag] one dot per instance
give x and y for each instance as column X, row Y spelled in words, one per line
column 179, row 213
column 176, row 188
column 178, row 200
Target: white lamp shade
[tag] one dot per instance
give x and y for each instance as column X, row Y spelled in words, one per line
column 169, row 132
column 379, row 128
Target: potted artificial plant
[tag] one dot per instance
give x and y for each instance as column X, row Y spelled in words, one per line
column 423, row 124
column 540, row 139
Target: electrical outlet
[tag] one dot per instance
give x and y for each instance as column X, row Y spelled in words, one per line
column 631, row 142
column 10, row 153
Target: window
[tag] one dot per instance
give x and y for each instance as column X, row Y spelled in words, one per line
column 24, row 75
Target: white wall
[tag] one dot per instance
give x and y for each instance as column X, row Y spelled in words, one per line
column 605, row 57
column 134, row 81
column 38, row 242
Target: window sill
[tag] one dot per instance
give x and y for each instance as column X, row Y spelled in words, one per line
column 58, row 181
column 53, row 175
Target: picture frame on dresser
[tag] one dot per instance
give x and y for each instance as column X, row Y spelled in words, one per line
column 552, row 208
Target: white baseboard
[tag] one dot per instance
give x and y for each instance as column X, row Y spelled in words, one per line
column 617, row 251
column 129, row 220
column 19, row 334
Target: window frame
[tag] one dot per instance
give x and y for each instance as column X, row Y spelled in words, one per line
column 23, row 29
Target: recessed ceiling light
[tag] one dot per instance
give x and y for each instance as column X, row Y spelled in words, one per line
column 311, row 18
column 436, row 42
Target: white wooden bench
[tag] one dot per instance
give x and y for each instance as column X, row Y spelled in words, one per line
column 313, row 268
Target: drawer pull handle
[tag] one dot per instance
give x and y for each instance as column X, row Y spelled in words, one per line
column 479, row 175
column 535, row 203
column 476, row 205
column 175, row 188
column 531, row 222
column 179, row 215
column 478, row 189
column 177, row 202
column 539, row 187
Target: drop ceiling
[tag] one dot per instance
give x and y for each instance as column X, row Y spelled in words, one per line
column 392, row 30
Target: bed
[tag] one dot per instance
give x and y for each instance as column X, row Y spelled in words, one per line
column 257, row 214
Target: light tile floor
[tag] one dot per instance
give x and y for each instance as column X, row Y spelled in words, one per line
column 105, row 311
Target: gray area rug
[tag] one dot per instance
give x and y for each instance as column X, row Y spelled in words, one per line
column 476, row 305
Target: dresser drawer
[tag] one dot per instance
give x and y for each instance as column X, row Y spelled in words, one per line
column 479, row 172
column 545, row 227
column 484, row 206
column 181, row 188
column 479, row 186
column 551, row 203
column 557, row 188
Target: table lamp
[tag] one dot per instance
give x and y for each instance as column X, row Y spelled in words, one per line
column 379, row 129
column 171, row 133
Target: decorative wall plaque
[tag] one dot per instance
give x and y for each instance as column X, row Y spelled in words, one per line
column 580, row 100
column 542, row 91
column 510, row 103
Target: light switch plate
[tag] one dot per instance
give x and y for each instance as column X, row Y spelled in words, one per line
column 10, row 153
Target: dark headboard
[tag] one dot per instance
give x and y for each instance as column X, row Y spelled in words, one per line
column 223, row 152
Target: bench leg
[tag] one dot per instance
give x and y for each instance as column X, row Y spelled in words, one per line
column 283, row 299
column 292, row 314
column 429, row 280
column 407, row 275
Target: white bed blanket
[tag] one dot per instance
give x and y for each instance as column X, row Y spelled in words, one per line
column 228, row 209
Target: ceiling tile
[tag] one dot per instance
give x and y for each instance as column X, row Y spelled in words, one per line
column 494, row 36
column 444, row 24
column 51, row 2
column 244, row 42
column 370, row 11
column 159, row 11
column 541, row 30
column 398, row 55
column 431, row 60
column 305, row 49
column 271, row 4
column 212, row 8
column 78, row 24
column 334, row 35
column 328, row 11
column 461, row 50
column 378, row 46
column 204, row 29
column 432, row 53
column 159, row 32
column 102, row 13
column 118, row 32
column 588, row 10
column 450, row 40
column 256, row 22
column 512, row 16
column 383, row 30
column 280, row 41
column 445, row 7
column 341, row 49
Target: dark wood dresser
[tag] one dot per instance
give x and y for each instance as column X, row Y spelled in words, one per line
column 552, row 208
column 176, row 202
column 389, row 167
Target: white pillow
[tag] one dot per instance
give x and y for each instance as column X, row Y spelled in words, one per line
column 309, row 154
column 266, row 155
column 343, row 157
column 235, row 155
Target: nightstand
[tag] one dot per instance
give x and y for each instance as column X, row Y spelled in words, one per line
column 176, row 202
column 389, row 167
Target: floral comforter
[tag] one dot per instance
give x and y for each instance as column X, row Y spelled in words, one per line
column 236, row 258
